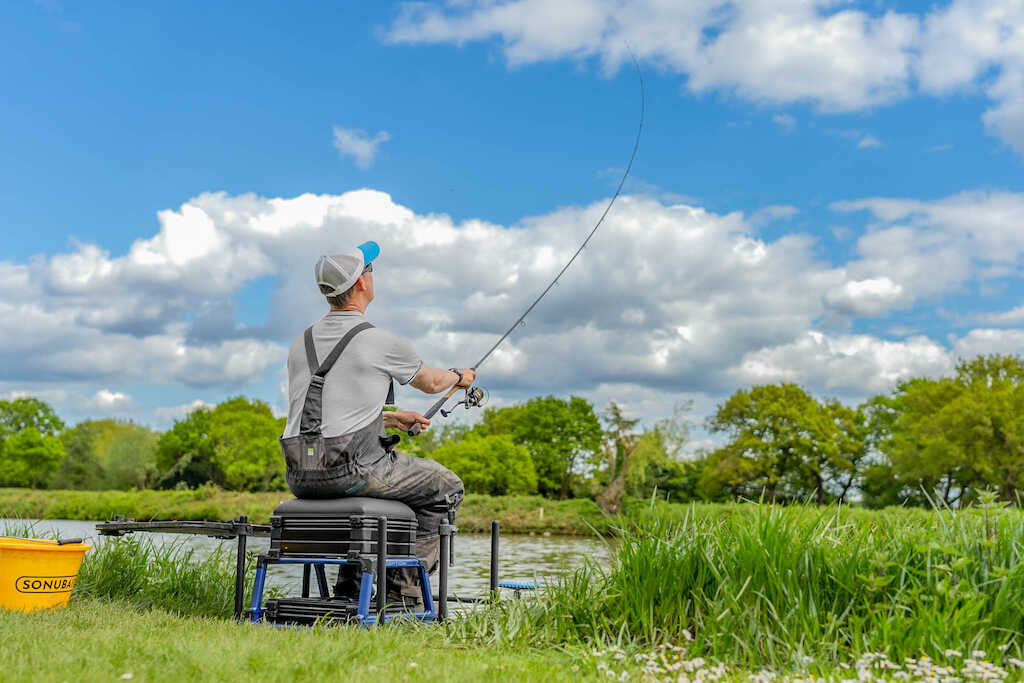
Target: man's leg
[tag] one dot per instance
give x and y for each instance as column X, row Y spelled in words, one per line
column 431, row 490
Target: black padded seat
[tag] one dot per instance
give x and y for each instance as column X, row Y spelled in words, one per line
column 343, row 507
column 335, row 527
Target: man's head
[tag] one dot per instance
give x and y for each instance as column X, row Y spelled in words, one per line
column 347, row 278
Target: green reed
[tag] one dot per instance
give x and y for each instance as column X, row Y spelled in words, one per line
column 172, row 577
column 773, row 586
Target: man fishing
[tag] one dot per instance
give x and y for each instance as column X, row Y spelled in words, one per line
column 341, row 373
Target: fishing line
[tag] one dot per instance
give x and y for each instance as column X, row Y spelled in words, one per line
column 618, row 190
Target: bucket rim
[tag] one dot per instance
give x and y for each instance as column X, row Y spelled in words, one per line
column 40, row 544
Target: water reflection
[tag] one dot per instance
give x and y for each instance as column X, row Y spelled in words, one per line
column 521, row 558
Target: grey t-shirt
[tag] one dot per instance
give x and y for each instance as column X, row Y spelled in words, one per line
column 357, row 386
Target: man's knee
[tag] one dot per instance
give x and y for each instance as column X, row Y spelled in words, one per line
column 453, row 488
column 448, row 483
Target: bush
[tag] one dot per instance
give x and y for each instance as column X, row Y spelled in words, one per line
column 494, row 465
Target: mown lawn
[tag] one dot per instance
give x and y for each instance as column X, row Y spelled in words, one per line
column 96, row 640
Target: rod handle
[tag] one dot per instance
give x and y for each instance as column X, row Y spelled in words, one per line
column 433, row 410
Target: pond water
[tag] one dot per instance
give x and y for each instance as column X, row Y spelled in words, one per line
column 521, row 558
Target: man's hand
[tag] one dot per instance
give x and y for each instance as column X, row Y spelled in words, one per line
column 404, row 420
column 468, row 377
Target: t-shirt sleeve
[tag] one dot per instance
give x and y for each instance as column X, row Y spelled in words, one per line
column 398, row 358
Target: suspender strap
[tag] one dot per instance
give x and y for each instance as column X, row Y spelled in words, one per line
column 332, row 357
column 310, row 351
column 312, row 409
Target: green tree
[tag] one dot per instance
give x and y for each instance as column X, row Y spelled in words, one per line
column 843, row 464
column 131, row 460
column 562, row 437
column 620, row 445
column 635, row 458
column 234, row 445
column 107, row 454
column 492, row 464
column 991, row 415
column 25, row 413
column 678, row 479
column 879, row 483
column 950, row 436
column 923, row 451
column 80, row 468
column 184, row 453
column 783, row 444
column 28, row 457
column 30, row 449
column 244, row 435
column 430, row 439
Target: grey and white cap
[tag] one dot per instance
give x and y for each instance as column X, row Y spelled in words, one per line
column 340, row 271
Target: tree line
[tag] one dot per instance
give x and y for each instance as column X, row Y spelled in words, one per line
column 929, row 442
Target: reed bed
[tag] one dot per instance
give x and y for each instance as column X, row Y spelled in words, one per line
column 171, row 577
column 786, row 588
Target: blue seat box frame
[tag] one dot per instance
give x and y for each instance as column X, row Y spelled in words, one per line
column 364, row 613
column 348, row 531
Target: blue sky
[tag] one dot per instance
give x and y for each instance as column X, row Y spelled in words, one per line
column 871, row 170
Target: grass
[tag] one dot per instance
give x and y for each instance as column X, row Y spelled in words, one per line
column 95, row 640
column 793, row 588
column 712, row 592
column 172, row 577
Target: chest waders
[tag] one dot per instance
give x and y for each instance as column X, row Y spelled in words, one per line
column 326, row 467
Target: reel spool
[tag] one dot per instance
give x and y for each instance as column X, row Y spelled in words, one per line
column 475, row 397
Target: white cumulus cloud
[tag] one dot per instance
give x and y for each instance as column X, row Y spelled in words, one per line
column 669, row 298
column 107, row 399
column 869, row 297
column 844, row 364
column 1014, row 316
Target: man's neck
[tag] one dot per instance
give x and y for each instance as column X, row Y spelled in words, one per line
column 349, row 308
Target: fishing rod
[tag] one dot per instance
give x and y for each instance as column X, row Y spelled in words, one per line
column 476, row 396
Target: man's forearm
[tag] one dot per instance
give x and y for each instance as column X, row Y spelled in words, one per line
column 433, row 380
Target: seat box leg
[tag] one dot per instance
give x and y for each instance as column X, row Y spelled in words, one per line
column 430, row 613
column 256, row 608
column 321, row 580
column 365, row 589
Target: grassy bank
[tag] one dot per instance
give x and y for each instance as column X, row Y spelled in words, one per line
column 517, row 514
column 719, row 593
column 795, row 588
column 106, row 641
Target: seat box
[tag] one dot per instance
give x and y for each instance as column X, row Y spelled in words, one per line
column 336, row 527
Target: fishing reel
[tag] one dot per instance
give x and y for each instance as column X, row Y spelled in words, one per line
column 475, row 397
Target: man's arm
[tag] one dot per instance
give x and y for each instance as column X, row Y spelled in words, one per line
column 433, row 381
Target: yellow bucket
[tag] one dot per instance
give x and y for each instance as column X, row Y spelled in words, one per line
column 37, row 574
